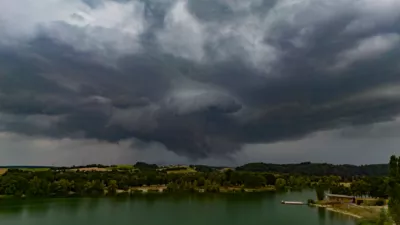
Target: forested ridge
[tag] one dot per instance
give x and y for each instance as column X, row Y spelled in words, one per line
column 305, row 168
column 318, row 169
column 97, row 179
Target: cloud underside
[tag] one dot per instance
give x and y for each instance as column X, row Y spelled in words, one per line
column 200, row 78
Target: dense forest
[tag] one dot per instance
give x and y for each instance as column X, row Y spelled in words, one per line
column 392, row 216
column 318, row 169
column 394, row 189
column 112, row 180
column 305, row 168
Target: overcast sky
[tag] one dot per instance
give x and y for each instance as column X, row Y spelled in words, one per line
column 220, row 82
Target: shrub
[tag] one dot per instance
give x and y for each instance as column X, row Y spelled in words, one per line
column 123, row 194
column 320, row 193
column 367, row 222
column 380, row 202
column 136, row 191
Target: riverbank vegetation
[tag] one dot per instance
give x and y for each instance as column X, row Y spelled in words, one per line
column 382, row 219
column 95, row 179
column 394, row 189
column 390, row 215
column 376, row 200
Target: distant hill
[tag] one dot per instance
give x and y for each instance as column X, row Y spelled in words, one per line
column 318, row 169
column 27, row 167
column 306, row 168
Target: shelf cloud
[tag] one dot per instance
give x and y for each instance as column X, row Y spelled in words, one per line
column 202, row 78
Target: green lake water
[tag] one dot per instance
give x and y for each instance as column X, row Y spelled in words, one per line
column 153, row 209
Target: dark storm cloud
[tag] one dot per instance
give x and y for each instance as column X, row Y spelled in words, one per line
column 202, row 78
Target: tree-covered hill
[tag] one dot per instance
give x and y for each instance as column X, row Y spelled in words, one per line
column 318, row 169
column 305, row 168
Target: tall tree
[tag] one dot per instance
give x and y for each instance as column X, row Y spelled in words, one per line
column 61, row 187
column 112, row 187
column 398, row 170
column 394, row 194
column 393, row 167
column 320, row 191
column 38, row 187
column 280, row 184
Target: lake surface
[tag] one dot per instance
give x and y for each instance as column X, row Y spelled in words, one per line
column 153, row 209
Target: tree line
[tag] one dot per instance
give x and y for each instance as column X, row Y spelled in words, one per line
column 69, row 181
column 318, row 169
column 394, row 189
column 305, row 168
column 62, row 182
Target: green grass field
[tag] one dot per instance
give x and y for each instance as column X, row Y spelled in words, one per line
column 186, row 170
column 124, row 167
column 38, row 169
column 35, row 169
column 362, row 211
column 3, row 171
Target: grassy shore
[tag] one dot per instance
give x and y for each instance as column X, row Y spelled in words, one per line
column 338, row 210
column 359, row 212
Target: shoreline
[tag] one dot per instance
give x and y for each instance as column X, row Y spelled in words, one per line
column 332, row 209
column 139, row 192
column 344, row 213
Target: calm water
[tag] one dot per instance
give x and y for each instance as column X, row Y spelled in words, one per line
column 254, row 209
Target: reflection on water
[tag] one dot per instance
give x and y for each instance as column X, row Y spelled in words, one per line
column 321, row 215
column 174, row 209
column 41, row 207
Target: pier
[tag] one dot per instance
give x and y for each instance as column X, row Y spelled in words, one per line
column 293, row 203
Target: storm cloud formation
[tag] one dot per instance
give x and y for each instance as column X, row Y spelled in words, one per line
column 200, row 77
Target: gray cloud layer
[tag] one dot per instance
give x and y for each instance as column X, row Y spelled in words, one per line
column 202, row 78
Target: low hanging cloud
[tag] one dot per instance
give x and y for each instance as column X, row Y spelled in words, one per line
column 200, row 78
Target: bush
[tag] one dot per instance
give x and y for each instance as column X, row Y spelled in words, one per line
column 136, row 191
column 380, row 202
column 123, row 194
column 320, row 193
column 178, row 168
column 375, row 202
column 367, row 222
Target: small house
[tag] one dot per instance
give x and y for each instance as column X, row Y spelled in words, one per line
column 341, row 198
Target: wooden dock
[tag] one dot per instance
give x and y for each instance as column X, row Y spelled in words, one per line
column 293, row 203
